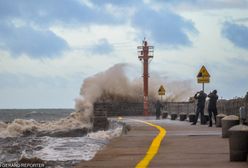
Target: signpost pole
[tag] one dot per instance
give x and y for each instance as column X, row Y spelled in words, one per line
column 203, row 86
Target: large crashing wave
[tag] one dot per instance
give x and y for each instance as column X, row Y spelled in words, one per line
column 76, row 120
column 115, row 85
column 111, row 85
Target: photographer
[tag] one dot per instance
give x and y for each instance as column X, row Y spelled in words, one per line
column 201, row 98
column 213, row 97
column 158, row 107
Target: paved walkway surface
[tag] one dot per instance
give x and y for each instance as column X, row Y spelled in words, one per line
column 184, row 146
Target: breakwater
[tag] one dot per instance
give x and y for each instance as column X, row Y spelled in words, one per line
column 228, row 107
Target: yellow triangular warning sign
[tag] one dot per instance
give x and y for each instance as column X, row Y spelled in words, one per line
column 203, row 73
column 161, row 90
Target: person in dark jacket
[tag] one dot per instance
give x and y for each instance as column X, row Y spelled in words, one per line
column 246, row 98
column 201, row 98
column 213, row 97
column 158, row 107
column 246, row 102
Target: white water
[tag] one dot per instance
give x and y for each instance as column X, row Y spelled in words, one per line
column 80, row 119
column 75, row 148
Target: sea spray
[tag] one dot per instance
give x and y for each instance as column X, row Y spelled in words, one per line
column 115, row 85
column 111, row 85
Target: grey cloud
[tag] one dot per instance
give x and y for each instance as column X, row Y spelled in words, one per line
column 117, row 2
column 49, row 11
column 235, row 33
column 164, row 27
column 43, row 14
column 206, row 4
column 26, row 40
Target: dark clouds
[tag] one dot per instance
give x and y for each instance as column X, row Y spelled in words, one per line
column 47, row 12
column 40, row 41
column 163, row 27
column 237, row 34
column 35, row 38
column 187, row 4
column 205, row 4
column 26, row 40
column 117, row 2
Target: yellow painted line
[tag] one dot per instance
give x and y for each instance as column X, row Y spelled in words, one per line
column 153, row 149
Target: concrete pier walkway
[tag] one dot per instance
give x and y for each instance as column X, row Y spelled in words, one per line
column 184, row 146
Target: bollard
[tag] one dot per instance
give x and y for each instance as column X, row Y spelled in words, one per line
column 227, row 122
column 173, row 116
column 238, row 143
column 183, row 116
column 191, row 117
column 164, row 114
column 218, row 119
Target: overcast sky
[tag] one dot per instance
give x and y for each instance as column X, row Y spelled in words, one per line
column 48, row 47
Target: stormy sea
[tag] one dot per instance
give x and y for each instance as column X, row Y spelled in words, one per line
column 54, row 136
column 63, row 137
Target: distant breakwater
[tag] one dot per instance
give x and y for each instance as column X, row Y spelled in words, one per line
column 46, row 114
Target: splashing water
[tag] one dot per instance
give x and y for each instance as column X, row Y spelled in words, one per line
column 110, row 85
column 76, row 148
column 76, row 120
column 114, row 85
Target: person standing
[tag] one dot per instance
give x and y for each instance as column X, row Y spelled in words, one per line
column 158, row 107
column 246, row 99
column 201, row 99
column 212, row 108
column 246, row 102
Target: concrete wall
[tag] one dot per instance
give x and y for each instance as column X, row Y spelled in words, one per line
column 136, row 108
column 179, row 107
column 120, row 108
column 230, row 106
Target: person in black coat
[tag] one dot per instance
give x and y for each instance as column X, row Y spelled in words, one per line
column 246, row 102
column 158, row 107
column 201, row 99
column 212, row 108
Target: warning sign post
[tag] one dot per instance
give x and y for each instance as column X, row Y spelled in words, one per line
column 203, row 76
column 161, row 91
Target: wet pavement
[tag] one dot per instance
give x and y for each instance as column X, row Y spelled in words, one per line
column 184, row 146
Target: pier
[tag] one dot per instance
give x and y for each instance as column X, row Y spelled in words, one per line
column 183, row 146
